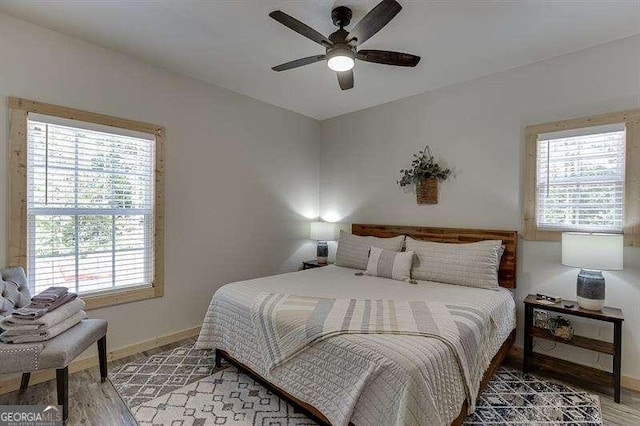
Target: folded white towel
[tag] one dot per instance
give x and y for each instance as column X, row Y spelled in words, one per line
column 25, row 336
column 48, row 320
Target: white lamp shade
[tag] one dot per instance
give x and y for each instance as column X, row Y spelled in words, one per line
column 600, row 252
column 322, row 231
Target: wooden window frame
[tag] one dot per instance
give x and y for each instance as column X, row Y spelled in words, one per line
column 19, row 110
column 631, row 121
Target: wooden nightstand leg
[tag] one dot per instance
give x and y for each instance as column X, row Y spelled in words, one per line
column 528, row 338
column 617, row 359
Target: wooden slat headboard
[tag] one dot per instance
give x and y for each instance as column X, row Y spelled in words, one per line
column 507, row 273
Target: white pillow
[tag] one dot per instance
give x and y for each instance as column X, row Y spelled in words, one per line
column 472, row 265
column 353, row 250
column 390, row 264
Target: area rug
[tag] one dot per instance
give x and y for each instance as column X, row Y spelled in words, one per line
column 225, row 398
column 512, row 397
column 150, row 377
column 182, row 387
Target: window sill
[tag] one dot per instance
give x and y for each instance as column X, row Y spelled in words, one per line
column 120, row 296
column 548, row 235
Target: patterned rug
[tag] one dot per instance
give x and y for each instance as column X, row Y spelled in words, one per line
column 148, row 378
column 512, row 397
column 179, row 387
column 183, row 387
column 225, row 398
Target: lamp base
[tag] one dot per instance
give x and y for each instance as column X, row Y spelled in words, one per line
column 323, row 252
column 591, row 290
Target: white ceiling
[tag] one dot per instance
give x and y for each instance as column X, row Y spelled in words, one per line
column 233, row 43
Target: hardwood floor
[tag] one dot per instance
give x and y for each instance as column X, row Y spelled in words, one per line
column 95, row 403
column 626, row 413
column 90, row 402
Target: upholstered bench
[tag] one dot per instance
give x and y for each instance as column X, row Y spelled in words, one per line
column 54, row 353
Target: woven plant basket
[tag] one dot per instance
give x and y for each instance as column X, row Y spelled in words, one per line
column 427, row 191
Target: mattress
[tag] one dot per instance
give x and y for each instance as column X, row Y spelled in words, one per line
column 364, row 379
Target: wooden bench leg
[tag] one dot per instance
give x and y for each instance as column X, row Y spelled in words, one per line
column 62, row 381
column 24, row 383
column 102, row 356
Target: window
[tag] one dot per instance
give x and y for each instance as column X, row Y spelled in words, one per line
column 92, row 221
column 89, row 206
column 580, row 178
column 584, row 175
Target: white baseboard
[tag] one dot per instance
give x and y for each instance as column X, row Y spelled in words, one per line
column 630, row 383
column 12, row 383
column 626, row 381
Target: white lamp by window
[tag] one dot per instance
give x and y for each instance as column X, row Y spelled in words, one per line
column 592, row 253
column 322, row 232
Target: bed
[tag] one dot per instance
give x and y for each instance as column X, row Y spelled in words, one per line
column 366, row 379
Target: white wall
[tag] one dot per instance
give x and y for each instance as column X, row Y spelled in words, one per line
column 477, row 127
column 240, row 174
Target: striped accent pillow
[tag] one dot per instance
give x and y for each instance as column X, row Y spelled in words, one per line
column 390, row 264
column 353, row 250
column 471, row 265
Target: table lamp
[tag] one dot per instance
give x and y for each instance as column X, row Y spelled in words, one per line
column 592, row 253
column 322, row 232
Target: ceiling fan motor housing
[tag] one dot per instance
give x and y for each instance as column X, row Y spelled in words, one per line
column 338, row 39
column 341, row 55
column 341, row 16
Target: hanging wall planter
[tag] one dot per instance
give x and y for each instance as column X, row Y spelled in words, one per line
column 424, row 174
column 427, row 191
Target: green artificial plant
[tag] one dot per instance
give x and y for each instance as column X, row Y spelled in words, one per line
column 423, row 166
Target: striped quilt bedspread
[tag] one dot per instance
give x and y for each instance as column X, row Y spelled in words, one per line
column 390, row 379
column 287, row 324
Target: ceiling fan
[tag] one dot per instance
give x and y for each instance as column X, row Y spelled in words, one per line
column 341, row 46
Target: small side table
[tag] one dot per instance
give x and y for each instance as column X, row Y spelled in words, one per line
column 566, row 369
column 310, row 264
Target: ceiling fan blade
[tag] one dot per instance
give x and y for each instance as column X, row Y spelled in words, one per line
column 299, row 63
column 374, row 21
column 388, row 58
column 345, row 79
column 300, row 28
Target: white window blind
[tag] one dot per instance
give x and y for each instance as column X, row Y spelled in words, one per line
column 580, row 179
column 90, row 195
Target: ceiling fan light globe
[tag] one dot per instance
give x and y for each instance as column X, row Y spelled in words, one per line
column 340, row 63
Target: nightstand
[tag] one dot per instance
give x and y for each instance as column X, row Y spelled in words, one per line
column 310, row 264
column 568, row 370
